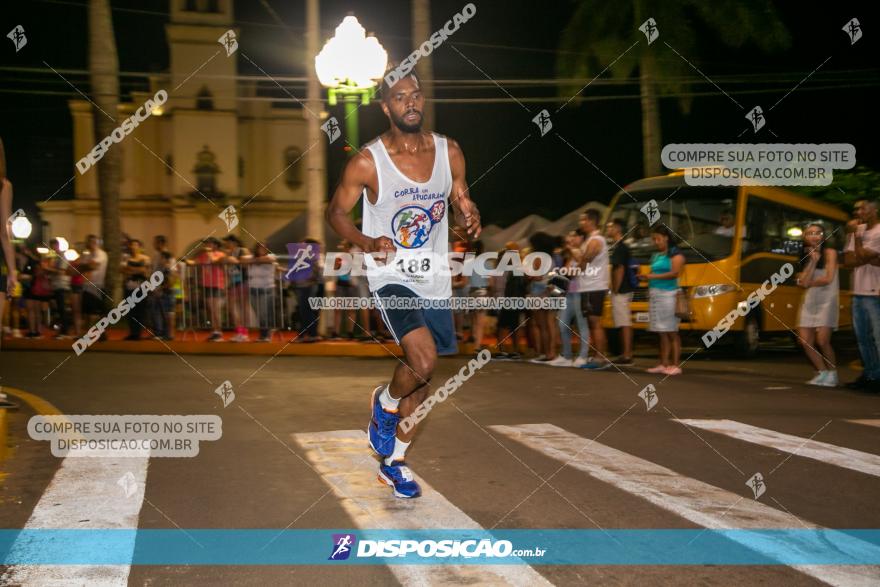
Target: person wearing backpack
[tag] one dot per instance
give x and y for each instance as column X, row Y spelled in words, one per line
column 624, row 280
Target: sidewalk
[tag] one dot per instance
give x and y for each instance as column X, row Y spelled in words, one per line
column 196, row 342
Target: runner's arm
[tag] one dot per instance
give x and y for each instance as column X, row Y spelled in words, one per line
column 467, row 213
column 6, row 228
column 355, row 177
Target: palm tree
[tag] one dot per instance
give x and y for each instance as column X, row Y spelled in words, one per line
column 599, row 33
column 104, row 76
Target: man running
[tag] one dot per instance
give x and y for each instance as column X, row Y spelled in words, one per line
column 406, row 176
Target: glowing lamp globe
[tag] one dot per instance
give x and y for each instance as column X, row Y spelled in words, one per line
column 351, row 58
column 21, row 228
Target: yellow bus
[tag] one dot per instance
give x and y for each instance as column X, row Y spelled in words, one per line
column 734, row 239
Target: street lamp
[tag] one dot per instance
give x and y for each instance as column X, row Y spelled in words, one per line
column 21, row 228
column 349, row 65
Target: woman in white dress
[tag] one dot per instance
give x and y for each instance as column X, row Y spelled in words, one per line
column 819, row 310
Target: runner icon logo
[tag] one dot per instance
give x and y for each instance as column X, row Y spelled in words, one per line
column 343, row 544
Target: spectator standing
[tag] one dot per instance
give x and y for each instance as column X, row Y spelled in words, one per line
column 623, row 280
column 478, row 287
column 819, row 310
column 262, row 271
column 594, row 265
column 460, row 287
column 38, row 290
column 162, row 298
column 543, row 324
column 59, row 281
column 509, row 319
column 574, row 240
column 236, row 286
column 210, row 261
column 93, row 264
column 135, row 265
column 77, row 280
column 862, row 254
column 306, row 286
column 666, row 265
column 344, row 289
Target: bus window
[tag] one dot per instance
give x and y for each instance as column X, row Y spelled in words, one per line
column 697, row 216
column 774, row 228
column 764, row 224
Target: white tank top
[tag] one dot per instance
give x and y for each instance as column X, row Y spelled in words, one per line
column 413, row 215
column 595, row 275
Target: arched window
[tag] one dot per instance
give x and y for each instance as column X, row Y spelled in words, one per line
column 293, row 158
column 204, row 99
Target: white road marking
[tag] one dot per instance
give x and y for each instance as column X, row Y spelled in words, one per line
column 803, row 447
column 875, row 423
column 342, row 458
column 83, row 494
column 700, row 503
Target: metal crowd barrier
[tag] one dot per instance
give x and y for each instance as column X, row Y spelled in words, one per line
column 237, row 307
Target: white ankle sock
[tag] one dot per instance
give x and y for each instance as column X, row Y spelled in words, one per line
column 399, row 451
column 388, row 402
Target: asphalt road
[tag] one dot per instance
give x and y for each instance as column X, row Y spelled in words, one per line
column 273, row 465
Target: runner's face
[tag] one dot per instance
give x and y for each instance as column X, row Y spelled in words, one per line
column 404, row 105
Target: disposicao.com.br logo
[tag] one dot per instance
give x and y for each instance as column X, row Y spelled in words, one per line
column 345, row 544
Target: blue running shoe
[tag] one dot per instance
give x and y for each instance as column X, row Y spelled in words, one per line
column 400, row 478
column 383, row 426
column 592, row 365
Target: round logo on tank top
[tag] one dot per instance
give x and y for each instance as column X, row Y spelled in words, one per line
column 412, row 225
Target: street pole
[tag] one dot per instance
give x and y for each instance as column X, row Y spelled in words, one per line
column 316, row 156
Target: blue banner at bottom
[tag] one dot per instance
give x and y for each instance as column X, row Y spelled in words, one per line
column 469, row 547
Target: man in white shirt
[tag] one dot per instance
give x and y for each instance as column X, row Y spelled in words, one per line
column 862, row 254
column 93, row 265
column 593, row 284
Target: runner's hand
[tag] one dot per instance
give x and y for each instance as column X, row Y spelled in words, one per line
column 468, row 211
column 380, row 244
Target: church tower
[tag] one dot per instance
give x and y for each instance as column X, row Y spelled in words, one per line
column 202, row 108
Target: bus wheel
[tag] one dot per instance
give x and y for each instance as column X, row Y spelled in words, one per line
column 747, row 340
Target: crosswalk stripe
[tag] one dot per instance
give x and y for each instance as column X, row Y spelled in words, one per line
column 868, row 422
column 83, row 494
column 342, row 458
column 803, row 447
column 700, row 503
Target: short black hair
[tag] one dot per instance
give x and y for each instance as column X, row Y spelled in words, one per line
column 160, row 238
column 385, row 89
column 593, row 215
column 620, row 224
column 542, row 242
column 667, row 232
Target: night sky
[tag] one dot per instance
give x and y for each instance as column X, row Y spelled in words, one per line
column 506, row 39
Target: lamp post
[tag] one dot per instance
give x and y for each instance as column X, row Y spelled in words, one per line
column 348, row 66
